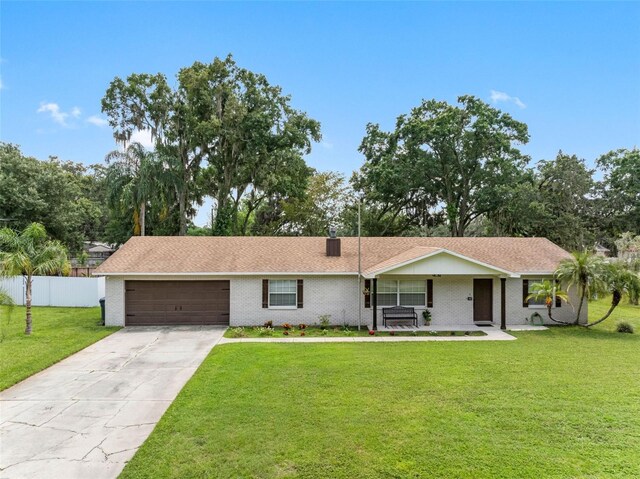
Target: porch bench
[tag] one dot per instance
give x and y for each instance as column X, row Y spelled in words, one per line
column 399, row 313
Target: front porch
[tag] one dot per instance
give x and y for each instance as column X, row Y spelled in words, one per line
column 460, row 293
column 455, row 302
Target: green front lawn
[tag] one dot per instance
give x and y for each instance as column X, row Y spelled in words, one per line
column 57, row 333
column 624, row 312
column 561, row 403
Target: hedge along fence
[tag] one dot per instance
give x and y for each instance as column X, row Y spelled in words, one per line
column 55, row 290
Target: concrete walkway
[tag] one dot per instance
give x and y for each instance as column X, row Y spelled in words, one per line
column 492, row 335
column 86, row 416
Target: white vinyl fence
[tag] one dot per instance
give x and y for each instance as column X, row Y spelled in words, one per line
column 56, row 290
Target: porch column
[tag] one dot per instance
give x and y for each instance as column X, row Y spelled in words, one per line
column 503, row 302
column 374, row 302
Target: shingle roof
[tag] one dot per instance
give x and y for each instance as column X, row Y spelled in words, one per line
column 252, row 254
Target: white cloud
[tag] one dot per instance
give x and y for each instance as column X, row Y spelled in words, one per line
column 327, row 145
column 57, row 115
column 54, row 110
column 143, row 137
column 500, row 96
column 1, row 84
column 97, row 121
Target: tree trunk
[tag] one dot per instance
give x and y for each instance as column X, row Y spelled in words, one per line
column 28, row 328
column 142, row 215
column 553, row 319
column 182, row 200
column 615, row 301
column 583, row 296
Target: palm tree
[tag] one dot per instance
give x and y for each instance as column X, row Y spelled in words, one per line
column 548, row 291
column 30, row 253
column 618, row 279
column 7, row 302
column 132, row 180
column 584, row 270
column 5, row 299
column 634, row 289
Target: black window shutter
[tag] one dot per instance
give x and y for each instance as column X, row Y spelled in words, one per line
column 525, row 293
column 300, row 293
column 265, row 293
column 429, row 293
column 558, row 300
column 367, row 294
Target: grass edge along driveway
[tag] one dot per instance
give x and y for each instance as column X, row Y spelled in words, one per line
column 58, row 332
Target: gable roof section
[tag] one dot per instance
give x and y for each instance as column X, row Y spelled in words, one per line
column 251, row 255
column 409, row 256
column 420, row 253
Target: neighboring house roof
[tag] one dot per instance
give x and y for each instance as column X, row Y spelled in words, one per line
column 98, row 247
column 307, row 255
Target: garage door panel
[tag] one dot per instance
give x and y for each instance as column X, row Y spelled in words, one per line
column 177, row 302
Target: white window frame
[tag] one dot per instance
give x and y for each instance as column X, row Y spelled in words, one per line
column 398, row 293
column 543, row 305
column 283, row 306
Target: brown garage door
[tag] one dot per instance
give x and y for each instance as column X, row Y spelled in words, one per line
column 176, row 302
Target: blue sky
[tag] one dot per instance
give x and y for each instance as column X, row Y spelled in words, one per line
column 571, row 71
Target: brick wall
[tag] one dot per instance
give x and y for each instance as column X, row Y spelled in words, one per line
column 336, row 296
column 114, row 302
column 332, row 295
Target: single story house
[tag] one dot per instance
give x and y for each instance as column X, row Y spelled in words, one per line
column 246, row 281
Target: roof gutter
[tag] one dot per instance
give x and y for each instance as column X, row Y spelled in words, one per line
column 251, row 273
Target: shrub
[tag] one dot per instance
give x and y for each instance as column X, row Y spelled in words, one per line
column 324, row 320
column 372, row 332
column 285, row 332
column 426, row 315
column 624, row 327
column 238, row 332
column 286, row 326
column 325, row 332
column 392, row 333
column 268, row 324
column 302, row 326
column 302, row 333
column 266, row 331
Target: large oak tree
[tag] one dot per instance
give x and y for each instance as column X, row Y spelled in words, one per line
column 449, row 159
column 224, row 130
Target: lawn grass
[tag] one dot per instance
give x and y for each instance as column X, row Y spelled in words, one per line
column 561, row 403
column 623, row 312
column 57, row 333
column 332, row 332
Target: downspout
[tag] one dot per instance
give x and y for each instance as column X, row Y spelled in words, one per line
column 374, row 302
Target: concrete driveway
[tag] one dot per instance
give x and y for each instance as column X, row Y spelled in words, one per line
column 86, row 416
